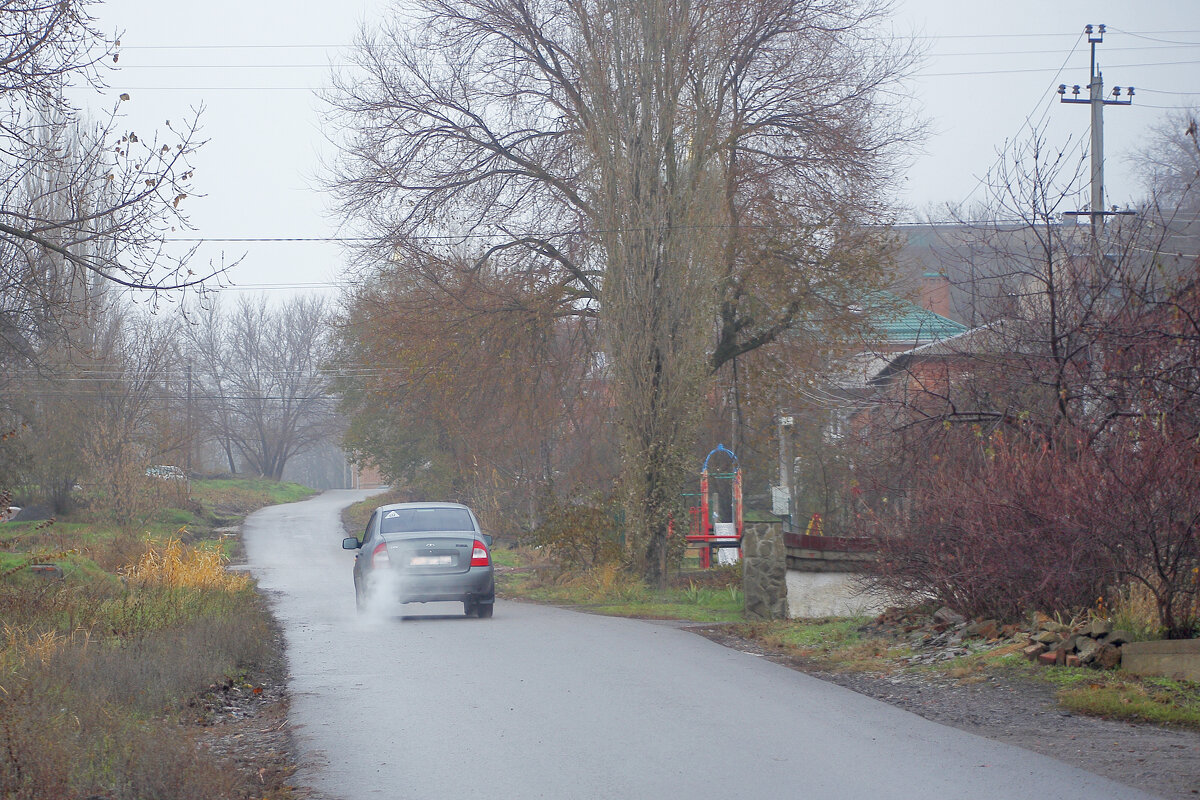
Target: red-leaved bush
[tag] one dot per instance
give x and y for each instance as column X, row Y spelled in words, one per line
column 1139, row 495
column 1006, row 524
column 984, row 532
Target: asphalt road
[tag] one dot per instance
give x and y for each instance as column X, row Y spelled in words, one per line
column 541, row 702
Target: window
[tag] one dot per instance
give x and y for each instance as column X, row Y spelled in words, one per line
column 423, row 520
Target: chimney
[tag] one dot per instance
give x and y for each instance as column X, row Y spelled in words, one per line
column 935, row 293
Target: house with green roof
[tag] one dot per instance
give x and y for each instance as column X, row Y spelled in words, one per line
column 903, row 325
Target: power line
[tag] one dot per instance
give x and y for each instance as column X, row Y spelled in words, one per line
column 1054, row 52
column 1047, row 69
column 506, row 235
column 328, row 65
column 955, row 74
column 1145, row 35
column 247, row 287
column 175, row 397
column 1148, row 35
column 1049, row 91
column 1164, row 91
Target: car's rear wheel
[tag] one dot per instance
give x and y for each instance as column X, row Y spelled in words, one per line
column 470, row 608
column 485, row 610
column 360, row 599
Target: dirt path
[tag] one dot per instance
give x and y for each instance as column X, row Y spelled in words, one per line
column 1022, row 713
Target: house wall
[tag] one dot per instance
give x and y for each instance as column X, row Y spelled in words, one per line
column 366, row 477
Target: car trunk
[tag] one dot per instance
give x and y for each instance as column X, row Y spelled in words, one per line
column 430, row 553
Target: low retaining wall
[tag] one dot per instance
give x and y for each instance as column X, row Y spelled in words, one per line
column 822, row 577
column 829, row 594
column 1169, row 658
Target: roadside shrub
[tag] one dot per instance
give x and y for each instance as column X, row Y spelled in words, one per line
column 157, row 670
column 88, row 714
column 609, row 583
column 578, row 536
column 1008, row 523
column 1138, row 492
column 122, row 548
column 60, row 743
column 988, row 531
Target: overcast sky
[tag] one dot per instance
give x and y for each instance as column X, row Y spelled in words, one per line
column 253, row 66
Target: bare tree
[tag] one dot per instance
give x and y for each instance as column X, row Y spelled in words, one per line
column 125, row 410
column 98, row 413
column 259, row 376
column 1169, row 162
column 1037, row 458
column 696, row 174
column 79, row 202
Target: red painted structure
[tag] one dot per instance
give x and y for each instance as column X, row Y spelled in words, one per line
column 701, row 530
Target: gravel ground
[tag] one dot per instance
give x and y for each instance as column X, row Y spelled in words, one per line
column 1022, row 713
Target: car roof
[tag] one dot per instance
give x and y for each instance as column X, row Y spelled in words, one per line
column 425, row 504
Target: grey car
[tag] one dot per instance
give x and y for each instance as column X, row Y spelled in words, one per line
column 423, row 553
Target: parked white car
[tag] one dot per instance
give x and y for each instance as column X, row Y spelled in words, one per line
column 166, row 473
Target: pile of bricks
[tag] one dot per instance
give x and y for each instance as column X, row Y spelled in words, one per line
column 944, row 637
column 1094, row 644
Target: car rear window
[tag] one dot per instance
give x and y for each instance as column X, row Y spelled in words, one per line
column 414, row 520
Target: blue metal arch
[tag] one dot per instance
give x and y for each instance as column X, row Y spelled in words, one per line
column 720, row 449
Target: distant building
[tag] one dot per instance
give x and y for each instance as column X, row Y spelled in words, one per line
column 365, row 476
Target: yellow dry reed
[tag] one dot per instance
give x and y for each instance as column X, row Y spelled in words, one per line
column 177, row 565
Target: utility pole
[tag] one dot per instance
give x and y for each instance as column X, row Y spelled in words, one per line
column 786, row 466
column 188, row 425
column 1097, row 101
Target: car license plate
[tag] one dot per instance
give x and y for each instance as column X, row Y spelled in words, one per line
column 431, row 561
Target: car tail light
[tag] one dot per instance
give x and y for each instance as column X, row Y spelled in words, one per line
column 479, row 555
column 380, row 558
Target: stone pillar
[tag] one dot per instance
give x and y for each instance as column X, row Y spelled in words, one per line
column 764, row 570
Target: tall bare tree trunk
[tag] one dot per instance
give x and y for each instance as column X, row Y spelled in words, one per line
column 658, row 209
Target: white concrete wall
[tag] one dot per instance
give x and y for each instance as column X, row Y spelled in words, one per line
column 828, row 594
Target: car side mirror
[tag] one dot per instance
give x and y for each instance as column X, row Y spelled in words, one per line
column 487, row 540
column 351, row 543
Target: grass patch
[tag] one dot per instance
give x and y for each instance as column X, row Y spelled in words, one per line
column 97, row 669
column 609, row 590
column 834, row 643
column 1112, row 695
column 504, row 557
column 1126, row 697
column 840, row 645
column 240, row 496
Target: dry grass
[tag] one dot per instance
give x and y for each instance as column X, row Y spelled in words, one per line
column 176, row 565
column 64, row 741
column 1133, row 609
column 95, row 671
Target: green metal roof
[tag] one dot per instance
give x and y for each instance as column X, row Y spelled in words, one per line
column 900, row 320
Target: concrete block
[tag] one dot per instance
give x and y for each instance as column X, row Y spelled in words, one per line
column 1168, row 658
